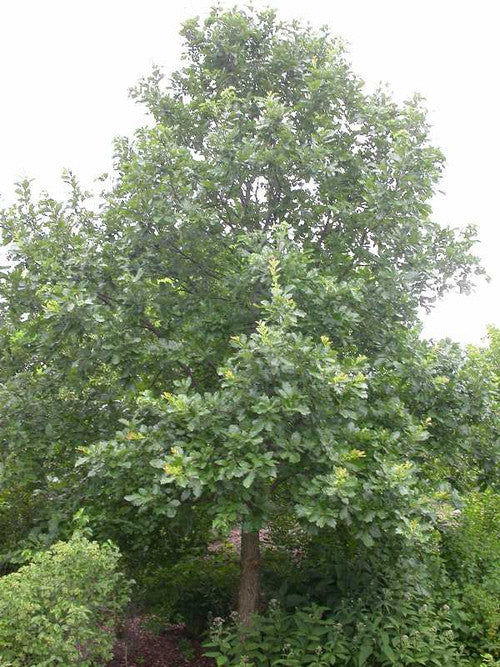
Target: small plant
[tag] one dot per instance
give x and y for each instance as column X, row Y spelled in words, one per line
column 186, row 648
column 155, row 624
column 62, row 608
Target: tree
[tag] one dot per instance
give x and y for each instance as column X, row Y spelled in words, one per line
column 287, row 411
column 266, row 156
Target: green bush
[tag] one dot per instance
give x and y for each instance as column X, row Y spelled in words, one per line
column 402, row 626
column 62, row 608
column 341, row 605
column 471, row 553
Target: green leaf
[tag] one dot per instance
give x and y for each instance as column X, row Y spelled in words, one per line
column 386, row 648
column 367, row 539
column 248, row 481
column 364, row 653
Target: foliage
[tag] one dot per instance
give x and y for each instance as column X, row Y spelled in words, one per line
column 471, row 552
column 229, row 337
column 190, row 590
column 287, row 408
column 402, row 627
column 342, row 606
column 266, row 124
column 457, row 392
column 63, row 607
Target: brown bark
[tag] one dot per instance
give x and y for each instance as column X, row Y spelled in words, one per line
column 249, row 591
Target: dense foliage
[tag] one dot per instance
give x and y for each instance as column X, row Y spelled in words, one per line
column 347, row 609
column 62, row 609
column 228, row 342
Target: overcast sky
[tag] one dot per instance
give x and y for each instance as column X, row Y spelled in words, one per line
column 66, row 67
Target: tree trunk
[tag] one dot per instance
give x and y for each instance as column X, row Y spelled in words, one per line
column 249, row 592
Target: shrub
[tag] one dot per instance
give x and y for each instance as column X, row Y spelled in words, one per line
column 403, row 628
column 471, row 552
column 62, row 608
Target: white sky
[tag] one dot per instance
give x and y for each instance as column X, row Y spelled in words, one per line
column 66, row 66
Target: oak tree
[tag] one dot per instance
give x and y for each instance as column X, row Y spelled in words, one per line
column 235, row 318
